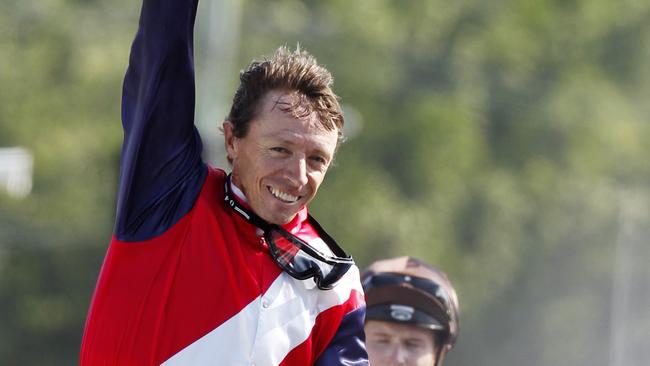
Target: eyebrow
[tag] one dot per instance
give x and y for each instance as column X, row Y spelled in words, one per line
column 415, row 340
column 381, row 333
column 286, row 140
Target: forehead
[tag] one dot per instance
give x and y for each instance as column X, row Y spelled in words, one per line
column 276, row 118
column 402, row 331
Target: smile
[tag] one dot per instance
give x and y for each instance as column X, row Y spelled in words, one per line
column 283, row 196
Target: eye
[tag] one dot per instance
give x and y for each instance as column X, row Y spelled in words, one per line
column 380, row 340
column 280, row 149
column 318, row 160
column 413, row 344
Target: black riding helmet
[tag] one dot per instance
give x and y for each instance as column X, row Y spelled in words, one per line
column 406, row 290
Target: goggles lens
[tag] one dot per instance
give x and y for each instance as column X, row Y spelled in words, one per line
column 302, row 261
column 294, row 255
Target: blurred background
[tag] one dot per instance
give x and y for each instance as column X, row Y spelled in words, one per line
column 506, row 142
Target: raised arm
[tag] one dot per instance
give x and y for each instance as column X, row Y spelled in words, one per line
column 161, row 171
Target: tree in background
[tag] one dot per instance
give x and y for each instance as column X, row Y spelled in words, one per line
column 497, row 141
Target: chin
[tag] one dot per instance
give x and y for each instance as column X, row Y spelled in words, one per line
column 282, row 219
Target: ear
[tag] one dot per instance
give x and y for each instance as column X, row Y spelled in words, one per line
column 230, row 140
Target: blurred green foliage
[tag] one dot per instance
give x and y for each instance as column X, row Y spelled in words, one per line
column 496, row 141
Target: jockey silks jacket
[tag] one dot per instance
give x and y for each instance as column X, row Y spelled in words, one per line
column 186, row 280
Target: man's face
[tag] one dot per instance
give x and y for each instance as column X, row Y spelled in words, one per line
column 393, row 344
column 282, row 160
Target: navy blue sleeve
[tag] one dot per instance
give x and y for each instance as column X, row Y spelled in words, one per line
column 161, row 170
column 348, row 344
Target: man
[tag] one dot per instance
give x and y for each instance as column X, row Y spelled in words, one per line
column 411, row 315
column 206, row 268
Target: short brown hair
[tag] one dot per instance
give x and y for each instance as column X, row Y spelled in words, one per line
column 291, row 71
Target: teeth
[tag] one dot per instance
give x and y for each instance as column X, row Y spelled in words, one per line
column 283, row 196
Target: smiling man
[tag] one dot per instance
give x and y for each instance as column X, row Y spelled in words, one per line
column 282, row 158
column 210, row 268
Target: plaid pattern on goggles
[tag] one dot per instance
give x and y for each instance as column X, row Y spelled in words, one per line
column 378, row 280
column 294, row 255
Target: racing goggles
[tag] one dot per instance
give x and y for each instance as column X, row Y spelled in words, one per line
column 384, row 279
column 295, row 256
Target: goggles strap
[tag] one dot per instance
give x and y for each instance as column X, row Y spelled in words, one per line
column 340, row 262
column 248, row 215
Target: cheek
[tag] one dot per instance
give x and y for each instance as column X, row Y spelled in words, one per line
column 316, row 179
column 378, row 349
column 424, row 359
column 423, row 354
column 375, row 353
column 255, row 162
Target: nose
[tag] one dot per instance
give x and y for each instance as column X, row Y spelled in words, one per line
column 297, row 171
column 398, row 356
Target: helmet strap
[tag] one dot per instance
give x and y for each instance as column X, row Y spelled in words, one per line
column 440, row 354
